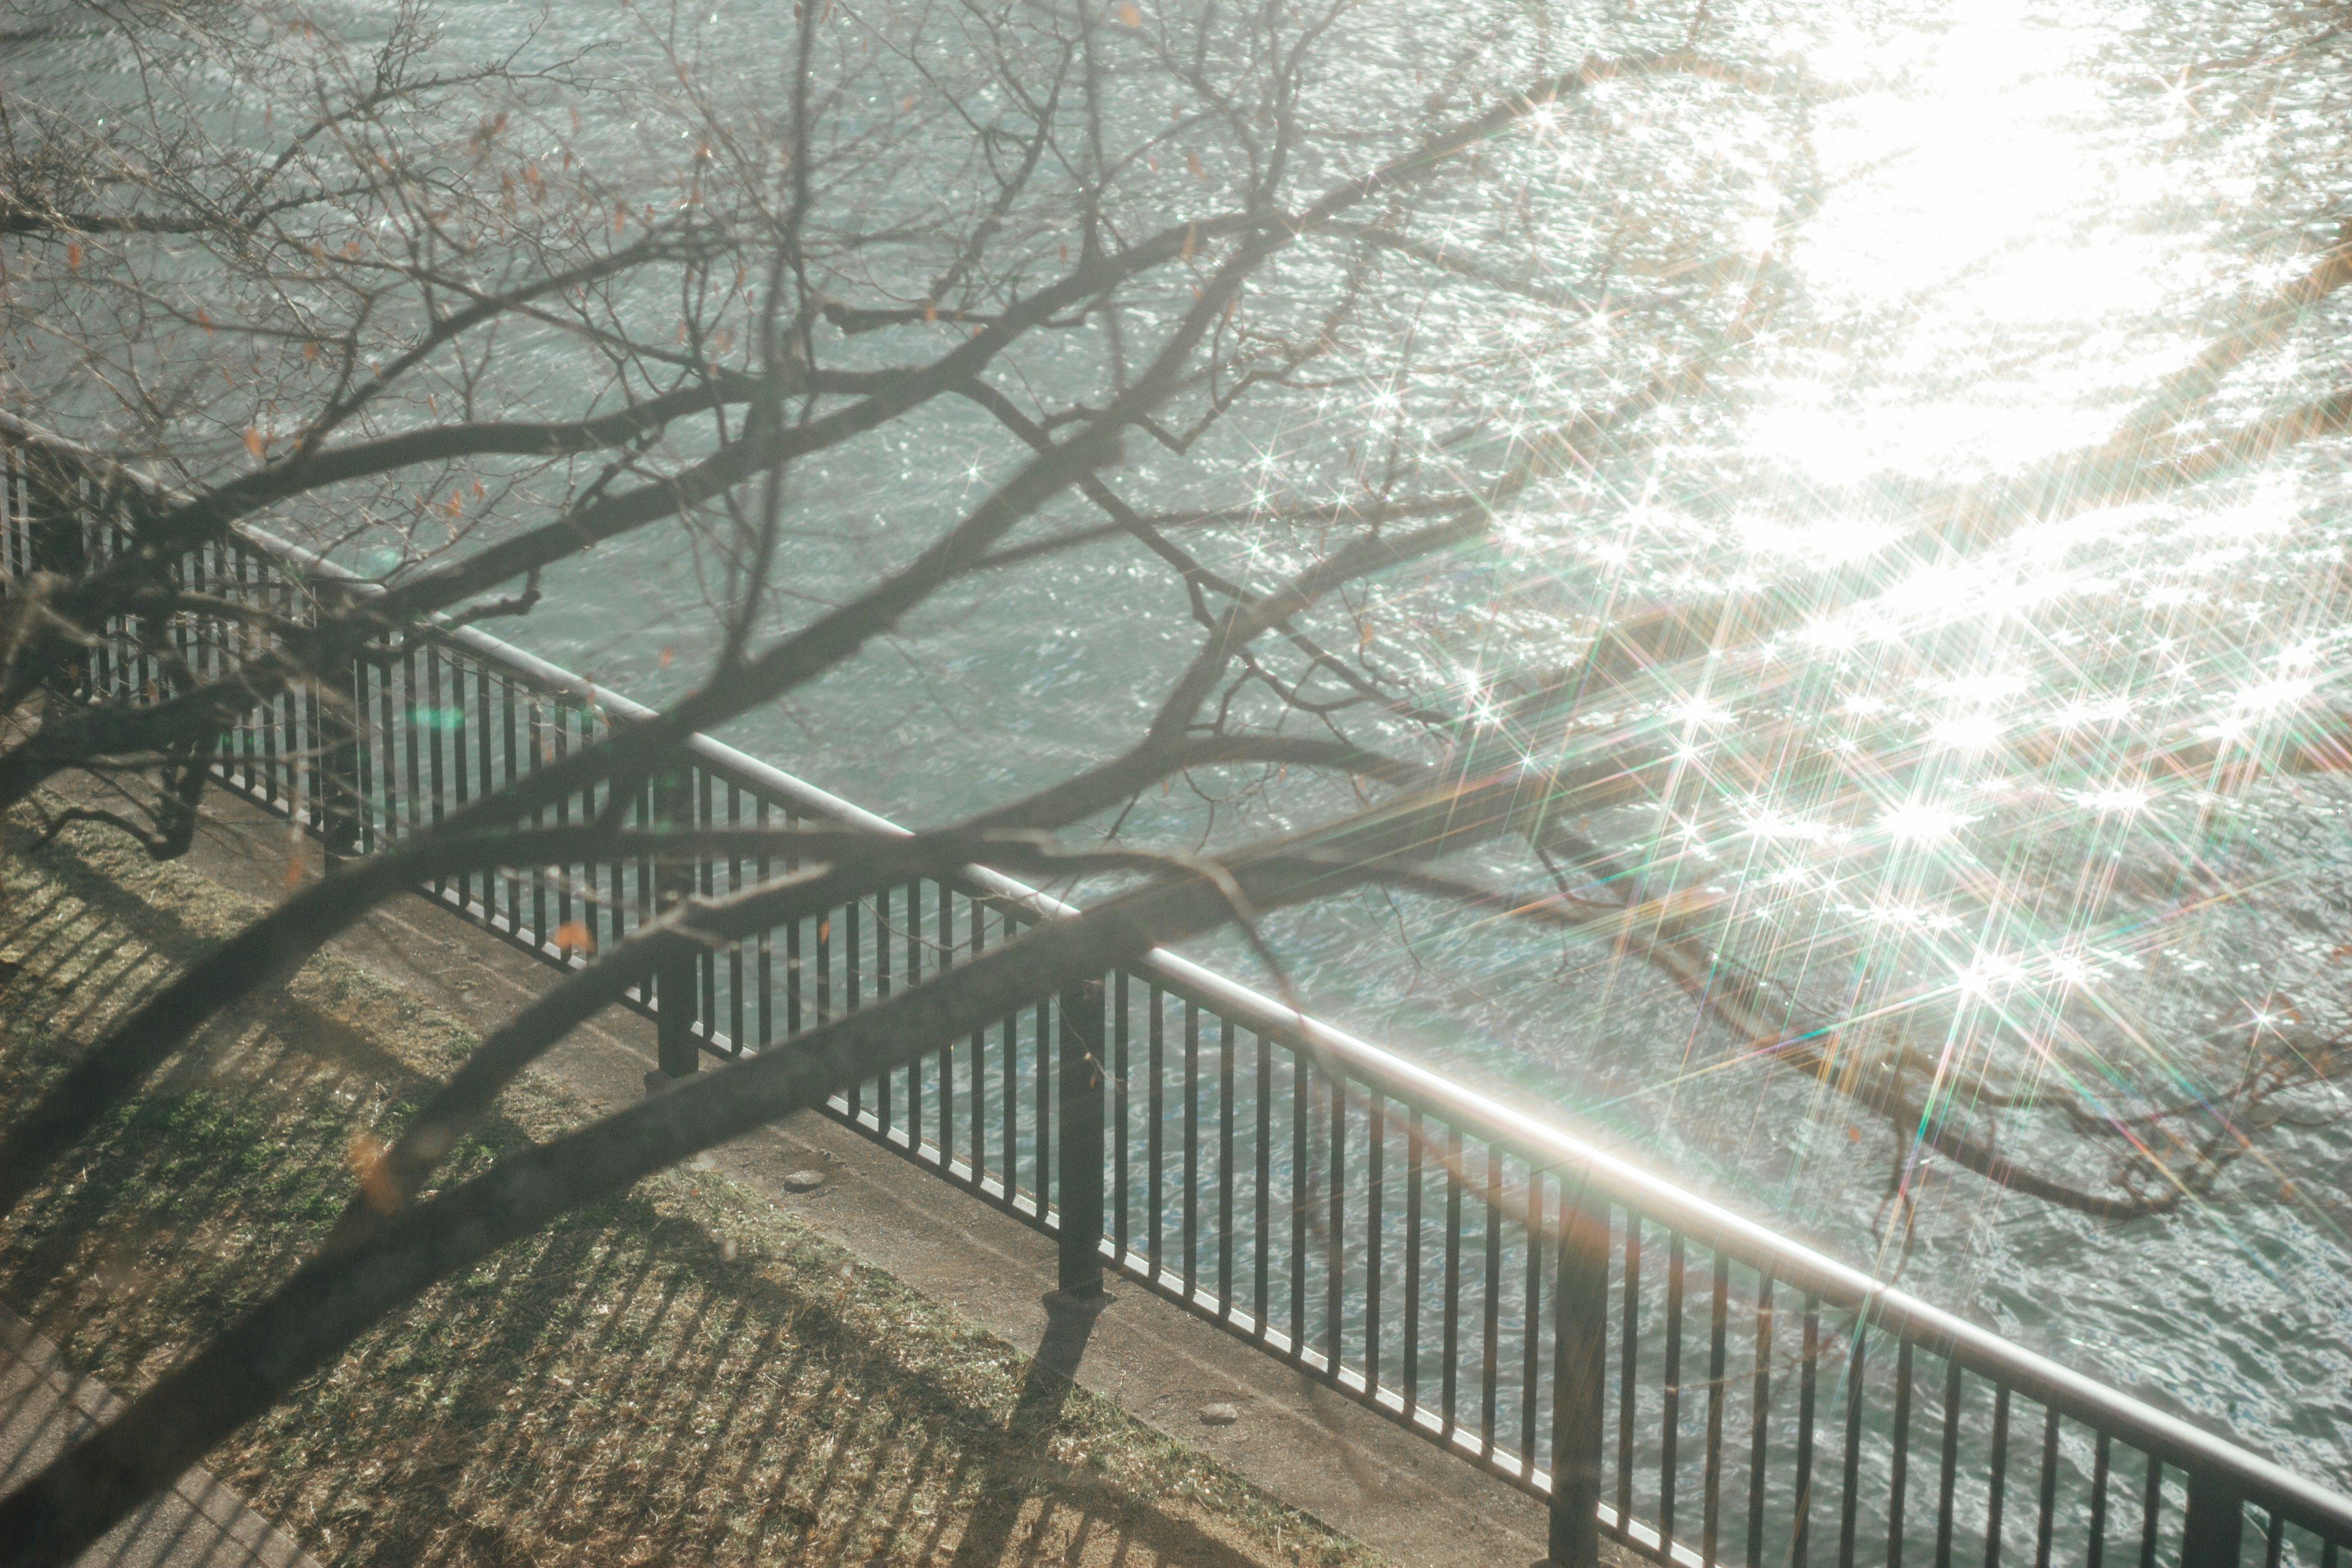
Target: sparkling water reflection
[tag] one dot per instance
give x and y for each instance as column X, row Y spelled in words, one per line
column 2012, row 770
column 1991, row 790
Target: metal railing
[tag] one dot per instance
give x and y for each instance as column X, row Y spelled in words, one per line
column 1660, row 1370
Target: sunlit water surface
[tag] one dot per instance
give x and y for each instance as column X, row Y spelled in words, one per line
column 2022, row 218
column 2000, row 222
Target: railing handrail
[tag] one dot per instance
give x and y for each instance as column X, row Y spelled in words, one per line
column 1560, row 1152
column 1550, row 1148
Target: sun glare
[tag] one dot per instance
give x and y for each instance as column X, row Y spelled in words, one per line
column 1921, row 822
column 1975, row 187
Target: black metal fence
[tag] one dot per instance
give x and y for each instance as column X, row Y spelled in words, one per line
column 1661, row 1372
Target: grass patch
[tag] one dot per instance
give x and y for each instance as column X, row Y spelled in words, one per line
column 682, row 1374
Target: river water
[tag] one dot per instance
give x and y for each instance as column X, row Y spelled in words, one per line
column 2021, row 215
column 1995, row 226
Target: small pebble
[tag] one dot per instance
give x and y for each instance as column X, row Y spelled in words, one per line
column 1219, row 1415
column 804, row 1181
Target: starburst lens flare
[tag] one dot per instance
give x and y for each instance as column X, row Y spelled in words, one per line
column 1909, row 443
column 1999, row 753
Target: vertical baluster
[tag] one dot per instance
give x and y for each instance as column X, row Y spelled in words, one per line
column 1335, row 1256
column 914, row 976
column 461, row 770
column 1711, row 1505
column 1008, row 1043
column 1628, row 1346
column 702, row 879
column 248, row 643
column 308, row 758
column 675, row 987
column 2049, row 1510
column 2213, row 1533
column 1759, row 1427
column 1997, row 1484
column 1902, row 1455
column 1225, row 1168
column 1670, row 1420
column 509, row 720
column 853, row 989
column 1852, row 1479
column 735, row 1010
column 764, row 963
column 796, row 977
column 2096, row 1554
column 943, row 944
column 431, row 714
column 414, row 773
column 1261, row 1304
column 1531, row 1321
column 562, row 811
column 1042, row 1113
column 823, row 959
column 2274, row 1539
column 293, row 733
column 603, row 802
column 617, row 905
column 483, row 739
column 1411, row 1372
column 342, row 787
column 272, row 724
column 206, row 649
column 978, row 1064
column 542, row 749
column 1374, row 1219
column 388, row 766
column 1154, row 1127
column 600, row 878
column 1491, row 1324
column 885, row 1110
column 1450, row 1327
column 1579, row 1372
column 1800, row 1528
column 1192, row 1148
column 1302, row 1195
column 645, row 802
column 1944, row 1509
column 943, row 949
column 1081, row 1170
column 1120, row 1033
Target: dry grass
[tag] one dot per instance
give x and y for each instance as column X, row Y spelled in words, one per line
column 682, row 1376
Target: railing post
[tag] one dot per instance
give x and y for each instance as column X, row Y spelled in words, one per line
column 1580, row 1355
column 1081, row 1093
column 677, row 980
column 2216, row 1526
